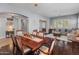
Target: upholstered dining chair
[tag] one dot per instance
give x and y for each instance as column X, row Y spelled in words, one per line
column 24, row 49
column 39, row 37
column 47, row 50
column 27, row 34
column 19, row 32
column 34, row 33
column 14, row 44
column 40, row 34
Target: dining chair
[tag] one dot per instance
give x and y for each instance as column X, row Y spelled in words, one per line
column 40, row 34
column 47, row 50
column 24, row 49
column 34, row 33
column 19, row 32
column 39, row 37
column 14, row 44
column 28, row 35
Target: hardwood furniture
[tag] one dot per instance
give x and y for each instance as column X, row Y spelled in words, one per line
column 38, row 37
column 24, row 49
column 32, row 44
column 44, row 30
column 63, row 39
column 34, row 33
column 47, row 50
column 14, row 45
column 19, row 32
column 27, row 34
column 40, row 34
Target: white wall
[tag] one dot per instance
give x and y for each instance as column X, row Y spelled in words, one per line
column 72, row 21
column 32, row 17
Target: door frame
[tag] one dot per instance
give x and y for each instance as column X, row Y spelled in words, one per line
column 40, row 23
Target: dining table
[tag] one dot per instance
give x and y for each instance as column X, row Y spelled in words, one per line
column 34, row 45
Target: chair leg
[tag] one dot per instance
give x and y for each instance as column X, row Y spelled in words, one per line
column 37, row 52
column 14, row 50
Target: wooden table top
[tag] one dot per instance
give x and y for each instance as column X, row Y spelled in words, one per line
column 32, row 44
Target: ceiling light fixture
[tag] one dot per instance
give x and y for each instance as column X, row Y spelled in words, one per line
column 35, row 4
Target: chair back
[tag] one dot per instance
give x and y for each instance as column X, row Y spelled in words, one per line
column 22, row 48
column 52, row 46
column 19, row 43
column 40, row 34
column 14, row 44
column 14, row 41
column 34, row 32
column 19, row 32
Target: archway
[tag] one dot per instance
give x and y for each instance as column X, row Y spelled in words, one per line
column 11, row 22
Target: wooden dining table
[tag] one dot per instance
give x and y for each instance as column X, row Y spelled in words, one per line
column 32, row 44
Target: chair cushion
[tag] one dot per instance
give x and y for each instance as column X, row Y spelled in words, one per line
column 41, row 53
column 20, row 33
column 40, row 34
column 44, row 49
column 26, row 49
column 34, row 33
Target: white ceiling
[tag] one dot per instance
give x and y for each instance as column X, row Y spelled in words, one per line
column 52, row 9
column 49, row 9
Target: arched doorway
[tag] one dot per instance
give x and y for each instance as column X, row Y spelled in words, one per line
column 10, row 22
